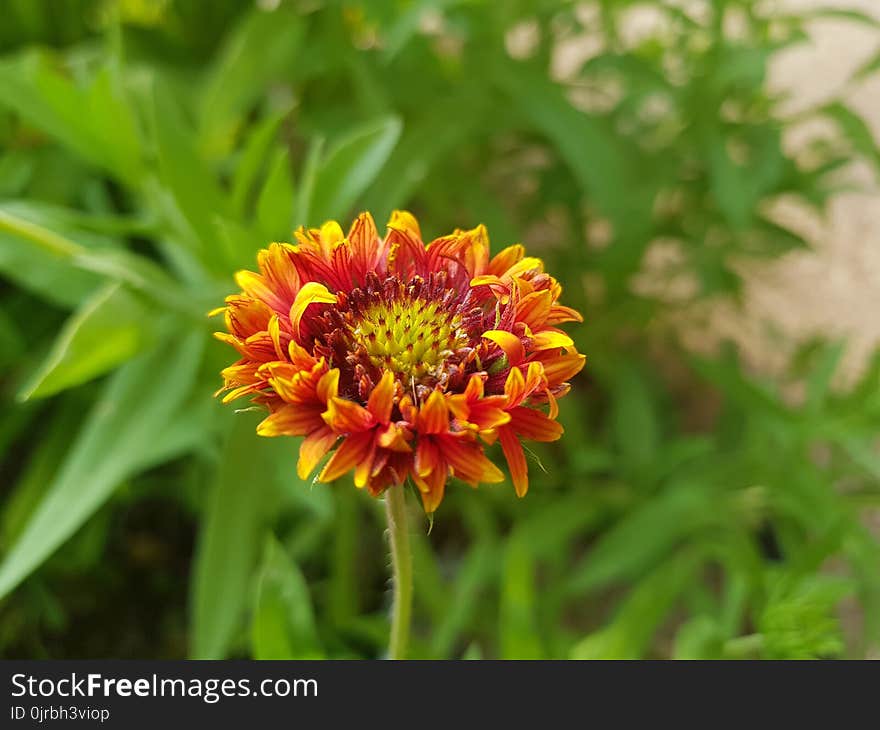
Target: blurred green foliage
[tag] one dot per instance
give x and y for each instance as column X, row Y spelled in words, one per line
column 148, row 149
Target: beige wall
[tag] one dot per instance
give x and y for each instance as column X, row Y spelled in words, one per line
column 835, row 289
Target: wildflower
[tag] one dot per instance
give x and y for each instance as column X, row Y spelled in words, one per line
column 399, row 359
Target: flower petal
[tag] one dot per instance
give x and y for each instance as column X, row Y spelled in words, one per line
column 559, row 314
column 434, row 414
column 468, row 461
column 506, row 258
column 516, row 460
column 550, row 340
column 328, row 385
column 563, row 367
column 245, row 315
column 353, row 450
column 345, row 416
column 292, row 420
column 364, row 248
column 311, row 293
column 533, row 309
column 393, row 437
column 509, row 343
column 515, row 386
column 403, row 220
column 427, row 458
column 313, row 448
column 534, row 425
column 364, row 467
column 489, row 413
column 432, row 488
column 381, row 400
column 331, row 234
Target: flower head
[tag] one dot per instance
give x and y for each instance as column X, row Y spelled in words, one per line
column 401, row 359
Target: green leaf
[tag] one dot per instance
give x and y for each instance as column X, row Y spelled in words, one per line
column 519, row 634
column 253, row 156
column 424, row 143
column 110, row 327
column 699, row 638
column 138, row 403
column 730, row 185
column 821, row 375
column 634, row 418
column 43, row 273
column 37, row 473
column 187, row 176
column 600, row 162
column 262, row 48
column 307, row 180
column 94, row 122
column 868, row 68
column 855, row 130
column 350, row 166
column 284, row 624
column 37, row 243
column 799, row 620
column 474, row 578
column 149, row 279
column 249, row 480
column 645, row 535
column 630, row 632
column 275, row 203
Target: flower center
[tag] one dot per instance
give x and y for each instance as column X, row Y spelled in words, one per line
column 411, row 337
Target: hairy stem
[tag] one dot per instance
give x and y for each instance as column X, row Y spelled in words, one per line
column 401, row 568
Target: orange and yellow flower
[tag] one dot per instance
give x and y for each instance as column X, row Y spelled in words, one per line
column 398, row 358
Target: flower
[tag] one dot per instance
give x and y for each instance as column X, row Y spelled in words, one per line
column 399, row 359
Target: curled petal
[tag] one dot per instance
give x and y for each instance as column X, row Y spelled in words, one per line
column 274, row 329
column 509, row 343
column 475, row 250
column 550, row 340
column 311, row 293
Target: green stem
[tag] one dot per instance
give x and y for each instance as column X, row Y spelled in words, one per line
column 401, row 567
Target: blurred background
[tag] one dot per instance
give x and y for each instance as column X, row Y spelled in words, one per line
column 700, row 174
